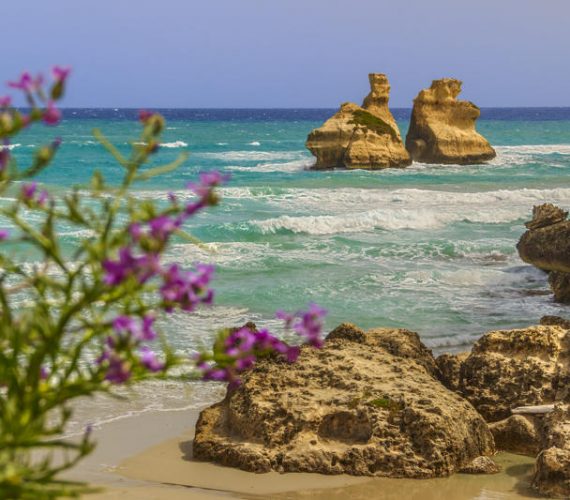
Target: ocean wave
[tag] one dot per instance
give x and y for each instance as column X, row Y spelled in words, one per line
column 291, row 166
column 10, row 146
column 342, row 199
column 536, row 149
column 254, row 143
column 231, row 156
column 387, row 219
column 175, row 144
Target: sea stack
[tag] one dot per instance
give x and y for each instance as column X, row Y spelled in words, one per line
column 546, row 245
column 364, row 136
column 442, row 128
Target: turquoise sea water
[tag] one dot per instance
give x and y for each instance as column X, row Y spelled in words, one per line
column 430, row 247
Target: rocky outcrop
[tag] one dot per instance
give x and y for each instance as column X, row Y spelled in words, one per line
column 546, row 245
column 442, row 128
column 367, row 403
column 511, row 368
column 361, row 137
column 552, row 471
column 518, row 434
column 482, row 465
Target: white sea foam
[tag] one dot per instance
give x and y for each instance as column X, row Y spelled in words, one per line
column 254, row 143
column 388, row 219
column 536, row 149
column 175, row 144
column 9, row 146
column 290, row 166
column 232, row 156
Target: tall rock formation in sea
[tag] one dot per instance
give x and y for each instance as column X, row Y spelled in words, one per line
column 546, row 245
column 442, row 128
column 364, row 136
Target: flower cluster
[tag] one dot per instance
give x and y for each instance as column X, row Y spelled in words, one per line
column 42, row 104
column 307, row 324
column 117, row 358
column 238, row 350
column 140, row 260
column 31, row 196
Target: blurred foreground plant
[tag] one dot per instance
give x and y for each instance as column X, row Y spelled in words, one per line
column 74, row 323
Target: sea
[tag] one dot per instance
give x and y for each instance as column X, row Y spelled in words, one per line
column 430, row 248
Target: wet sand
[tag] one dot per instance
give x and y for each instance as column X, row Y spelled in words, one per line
column 149, row 456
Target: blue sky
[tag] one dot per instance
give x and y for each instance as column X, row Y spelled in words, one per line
column 291, row 53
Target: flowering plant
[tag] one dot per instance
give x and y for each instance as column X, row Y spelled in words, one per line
column 79, row 321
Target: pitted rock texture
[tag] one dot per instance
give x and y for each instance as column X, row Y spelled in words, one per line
column 365, row 404
column 520, row 434
column 482, row 465
column 546, row 245
column 552, row 471
column 511, row 368
column 442, row 128
column 361, row 137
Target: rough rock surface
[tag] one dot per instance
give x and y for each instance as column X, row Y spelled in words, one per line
column 449, row 366
column 365, row 404
column 552, row 471
column 555, row 320
column 546, row 245
column 361, row 137
column 511, row 368
column 442, row 128
column 481, row 465
column 518, row 434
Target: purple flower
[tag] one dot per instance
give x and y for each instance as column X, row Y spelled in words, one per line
column 4, row 234
column 29, row 190
column 118, row 370
column 27, row 83
column 145, row 115
column 44, row 373
column 60, row 73
column 310, row 325
column 143, row 267
column 150, row 361
column 5, row 101
column 186, row 289
column 52, row 115
column 135, row 230
column 129, row 328
column 162, row 227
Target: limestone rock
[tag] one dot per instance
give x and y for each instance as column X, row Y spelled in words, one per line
column 449, row 366
column 560, row 285
column 552, row 471
column 511, row 368
column 482, row 465
column 546, row 245
column 544, row 215
column 442, row 128
column 555, row 320
column 518, row 434
column 365, row 404
column 361, row 137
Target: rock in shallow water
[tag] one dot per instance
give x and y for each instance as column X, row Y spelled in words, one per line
column 366, row 404
column 361, row 137
column 546, row 245
column 442, row 128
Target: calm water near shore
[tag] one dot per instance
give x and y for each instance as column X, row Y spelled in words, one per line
column 430, row 248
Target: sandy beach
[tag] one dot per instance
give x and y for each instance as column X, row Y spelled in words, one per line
column 148, row 456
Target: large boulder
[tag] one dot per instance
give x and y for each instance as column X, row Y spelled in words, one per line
column 552, row 471
column 546, row 245
column 442, row 128
column 367, row 404
column 361, row 137
column 511, row 368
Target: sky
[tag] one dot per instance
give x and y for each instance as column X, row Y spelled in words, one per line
column 290, row 53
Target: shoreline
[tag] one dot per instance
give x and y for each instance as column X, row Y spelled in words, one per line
column 148, row 456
